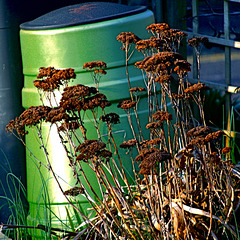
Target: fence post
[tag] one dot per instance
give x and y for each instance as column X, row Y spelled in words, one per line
column 195, row 29
column 227, row 68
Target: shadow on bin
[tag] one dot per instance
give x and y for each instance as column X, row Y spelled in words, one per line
column 69, row 37
column 12, row 153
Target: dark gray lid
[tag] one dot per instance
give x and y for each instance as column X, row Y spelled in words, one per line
column 80, row 14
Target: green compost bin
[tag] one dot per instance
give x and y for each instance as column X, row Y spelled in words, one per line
column 70, row 37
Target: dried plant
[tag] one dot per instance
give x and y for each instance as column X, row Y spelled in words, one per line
column 185, row 185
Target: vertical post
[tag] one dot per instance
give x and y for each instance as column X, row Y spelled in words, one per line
column 173, row 13
column 158, row 10
column 195, row 26
column 227, row 65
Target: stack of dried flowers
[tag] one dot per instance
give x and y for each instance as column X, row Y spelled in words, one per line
column 185, row 185
column 51, row 78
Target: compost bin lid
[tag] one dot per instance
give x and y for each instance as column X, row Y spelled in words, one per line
column 80, row 14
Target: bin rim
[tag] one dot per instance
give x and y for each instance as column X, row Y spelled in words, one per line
column 81, row 14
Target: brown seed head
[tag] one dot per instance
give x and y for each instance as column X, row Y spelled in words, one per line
column 197, row 41
column 137, row 89
column 95, row 65
column 162, row 115
column 127, row 38
column 195, row 88
column 111, row 118
column 128, row 144
column 126, row 104
column 75, row 191
column 226, row 150
column 213, row 136
column 53, row 78
column 158, row 27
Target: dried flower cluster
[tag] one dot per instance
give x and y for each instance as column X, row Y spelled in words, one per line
column 129, row 144
column 195, row 88
column 149, row 158
column 214, row 136
column 127, row 38
column 146, row 143
column 170, row 37
column 154, row 124
column 94, row 65
column 137, row 89
column 57, row 114
column 158, row 27
column 182, row 67
column 80, row 97
column 75, row 191
column 127, row 104
column 159, row 62
column 30, row 117
column 93, row 149
column 198, row 131
column 162, row 116
column 52, row 78
column 197, row 41
column 66, row 126
column 111, row 118
column 152, row 43
column 226, row 150
column 201, row 135
column 185, row 185
column 97, row 66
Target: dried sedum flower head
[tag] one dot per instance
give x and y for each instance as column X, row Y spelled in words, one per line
column 51, row 72
column 198, row 135
column 197, row 131
column 162, row 115
column 30, row 117
column 164, row 78
column 92, row 149
column 158, row 27
column 177, row 96
column 102, row 71
column 98, row 100
column 82, row 97
column 137, row 89
column 159, row 62
column 78, row 91
column 226, row 150
column 68, row 126
column 182, row 67
column 52, row 78
column 129, row 144
column 149, row 158
column 126, row 104
column 154, row 141
column 75, row 191
column 213, row 136
column 196, row 41
column 172, row 35
column 154, row 125
column 152, row 43
column 127, row 38
column 142, row 45
column 111, row 118
column 57, row 114
column 95, row 65
column 196, row 87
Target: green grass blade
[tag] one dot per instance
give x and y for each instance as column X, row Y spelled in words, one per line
column 70, row 219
